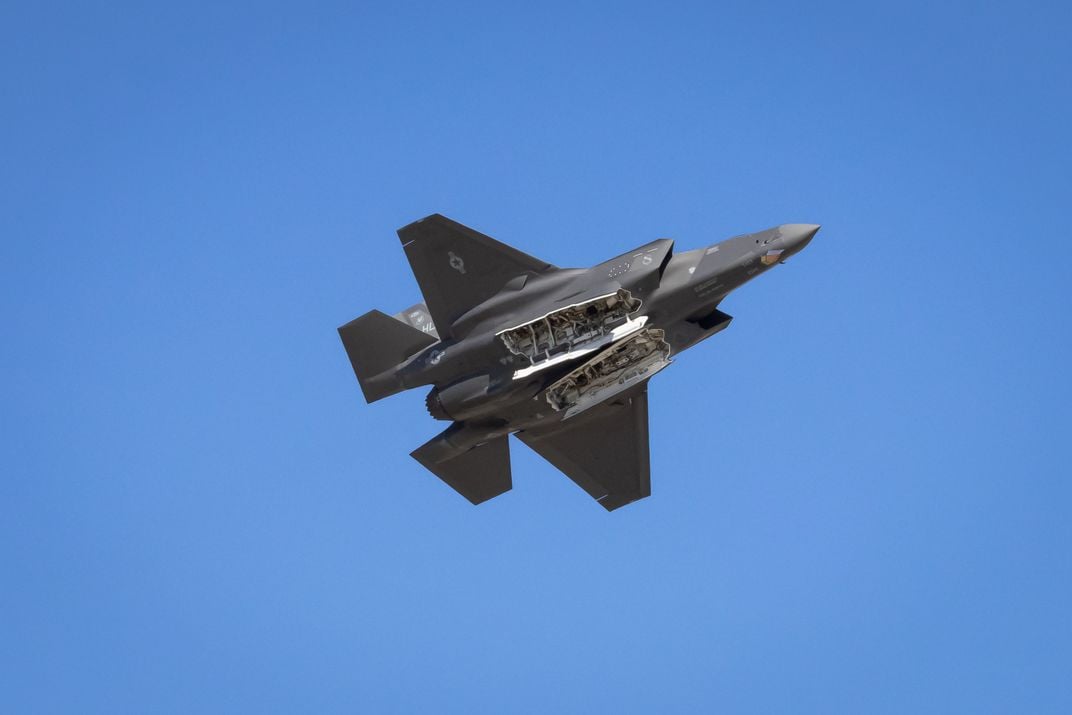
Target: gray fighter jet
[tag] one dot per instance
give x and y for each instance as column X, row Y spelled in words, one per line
column 558, row 357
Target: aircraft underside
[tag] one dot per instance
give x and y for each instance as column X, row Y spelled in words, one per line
column 571, row 383
column 572, row 332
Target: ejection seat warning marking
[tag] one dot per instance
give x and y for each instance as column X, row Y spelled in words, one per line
column 456, row 262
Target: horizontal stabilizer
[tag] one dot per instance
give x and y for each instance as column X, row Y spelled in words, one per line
column 376, row 343
column 478, row 474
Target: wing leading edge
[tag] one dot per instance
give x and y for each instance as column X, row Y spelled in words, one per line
column 604, row 450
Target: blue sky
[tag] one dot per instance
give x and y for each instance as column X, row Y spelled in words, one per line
column 861, row 495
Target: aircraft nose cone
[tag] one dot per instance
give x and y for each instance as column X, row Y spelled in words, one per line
column 796, row 236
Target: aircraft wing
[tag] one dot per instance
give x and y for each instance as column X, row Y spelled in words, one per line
column 458, row 268
column 604, row 449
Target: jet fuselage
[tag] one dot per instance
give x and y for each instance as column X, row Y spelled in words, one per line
column 479, row 381
column 560, row 358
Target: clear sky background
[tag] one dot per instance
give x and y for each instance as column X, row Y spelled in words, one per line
column 861, row 491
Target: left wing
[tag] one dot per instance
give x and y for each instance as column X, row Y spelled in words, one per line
column 604, row 449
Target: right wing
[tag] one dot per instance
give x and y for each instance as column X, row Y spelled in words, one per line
column 458, row 268
column 604, row 449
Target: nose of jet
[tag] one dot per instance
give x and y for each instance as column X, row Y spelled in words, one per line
column 795, row 236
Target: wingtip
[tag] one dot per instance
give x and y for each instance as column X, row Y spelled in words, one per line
column 416, row 225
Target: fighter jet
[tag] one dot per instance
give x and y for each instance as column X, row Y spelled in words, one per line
column 558, row 357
